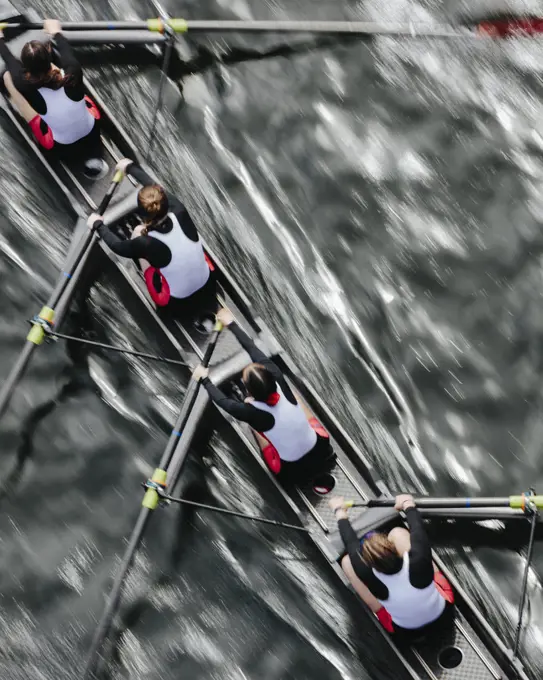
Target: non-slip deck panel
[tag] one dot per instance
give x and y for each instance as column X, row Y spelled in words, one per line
column 314, row 507
column 474, row 666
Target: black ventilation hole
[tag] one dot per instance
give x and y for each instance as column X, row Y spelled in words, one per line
column 450, row 657
column 323, row 484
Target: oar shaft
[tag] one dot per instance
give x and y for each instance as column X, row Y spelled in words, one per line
column 15, row 375
column 150, row 502
column 524, row 589
column 94, row 660
column 162, row 474
column 362, row 28
column 47, row 314
column 86, row 242
column 327, row 27
column 188, row 404
column 82, row 25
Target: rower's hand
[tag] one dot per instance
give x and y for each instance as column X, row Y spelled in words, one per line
column 404, row 501
column 200, row 372
column 52, row 26
column 338, row 505
column 123, row 164
column 138, row 231
column 95, row 221
column 225, row 316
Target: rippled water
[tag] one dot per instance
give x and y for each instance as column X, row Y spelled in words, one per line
column 381, row 203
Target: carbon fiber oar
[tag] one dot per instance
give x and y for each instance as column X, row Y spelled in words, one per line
column 46, row 318
column 503, row 27
column 150, row 502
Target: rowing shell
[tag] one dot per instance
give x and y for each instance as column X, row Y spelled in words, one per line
column 470, row 643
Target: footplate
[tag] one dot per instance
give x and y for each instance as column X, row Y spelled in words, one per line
column 314, row 506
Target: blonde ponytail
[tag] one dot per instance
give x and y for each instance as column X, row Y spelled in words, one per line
column 153, row 202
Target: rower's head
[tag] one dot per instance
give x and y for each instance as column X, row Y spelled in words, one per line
column 259, row 382
column 153, row 204
column 37, row 60
column 380, row 553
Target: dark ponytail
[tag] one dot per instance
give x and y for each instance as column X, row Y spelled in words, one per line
column 260, row 383
column 36, row 58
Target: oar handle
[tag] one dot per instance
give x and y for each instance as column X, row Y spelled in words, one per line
column 522, row 501
column 115, row 182
column 212, row 344
column 154, row 25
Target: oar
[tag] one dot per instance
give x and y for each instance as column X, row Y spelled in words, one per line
column 150, row 502
column 491, row 28
column 521, row 502
column 45, row 319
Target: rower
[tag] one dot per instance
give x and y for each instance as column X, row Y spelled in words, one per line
column 394, row 573
column 53, row 101
column 178, row 274
column 294, row 445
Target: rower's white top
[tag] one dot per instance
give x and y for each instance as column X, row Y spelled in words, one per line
column 292, row 435
column 188, row 270
column 69, row 121
column 408, row 606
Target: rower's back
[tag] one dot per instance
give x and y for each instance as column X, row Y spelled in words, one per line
column 51, row 98
column 63, row 109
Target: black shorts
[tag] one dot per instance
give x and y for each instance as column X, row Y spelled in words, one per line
column 408, row 636
column 87, row 147
column 319, row 460
column 203, row 303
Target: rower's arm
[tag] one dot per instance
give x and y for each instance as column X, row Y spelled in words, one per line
column 141, row 247
column 249, row 346
column 72, row 68
column 259, row 420
column 259, row 357
column 139, row 174
column 14, row 66
column 421, row 569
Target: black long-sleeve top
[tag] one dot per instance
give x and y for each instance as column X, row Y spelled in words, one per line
column 259, row 420
column 73, row 88
column 421, row 570
column 146, row 247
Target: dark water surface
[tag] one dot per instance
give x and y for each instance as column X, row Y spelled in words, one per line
column 380, row 201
